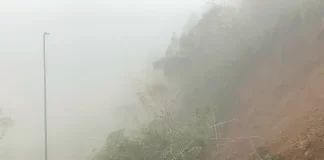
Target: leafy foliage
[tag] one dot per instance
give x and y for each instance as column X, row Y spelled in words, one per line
column 162, row 138
column 158, row 140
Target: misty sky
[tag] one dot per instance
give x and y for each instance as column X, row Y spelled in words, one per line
column 95, row 50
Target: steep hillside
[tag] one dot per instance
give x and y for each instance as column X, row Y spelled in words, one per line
column 263, row 67
column 244, row 83
column 281, row 99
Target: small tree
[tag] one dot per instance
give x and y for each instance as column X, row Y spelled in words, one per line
column 163, row 137
column 5, row 124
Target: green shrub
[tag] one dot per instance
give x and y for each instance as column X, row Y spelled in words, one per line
column 157, row 140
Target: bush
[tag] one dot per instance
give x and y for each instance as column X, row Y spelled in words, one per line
column 161, row 140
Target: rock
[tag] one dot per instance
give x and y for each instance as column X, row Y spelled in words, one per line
column 309, row 136
column 303, row 144
column 308, row 154
column 313, row 130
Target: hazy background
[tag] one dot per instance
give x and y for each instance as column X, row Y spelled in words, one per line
column 95, row 50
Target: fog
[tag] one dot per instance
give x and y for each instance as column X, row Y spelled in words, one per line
column 95, row 50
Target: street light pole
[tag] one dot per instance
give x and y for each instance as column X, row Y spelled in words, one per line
column 45, row 93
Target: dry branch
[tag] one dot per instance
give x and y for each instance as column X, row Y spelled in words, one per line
column 186, row 147
column 222, row 123
column 236, row 139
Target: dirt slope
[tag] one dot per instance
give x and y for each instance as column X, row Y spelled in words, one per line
column 282, row 101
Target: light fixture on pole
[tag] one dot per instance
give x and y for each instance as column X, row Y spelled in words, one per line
column 45, row 93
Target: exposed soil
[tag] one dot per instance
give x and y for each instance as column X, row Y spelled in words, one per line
column 281, row 102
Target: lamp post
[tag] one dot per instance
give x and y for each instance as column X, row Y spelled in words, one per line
column 45, row 93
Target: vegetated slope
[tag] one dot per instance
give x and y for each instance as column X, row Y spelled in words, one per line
column 249, row 81
column 274, row 87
